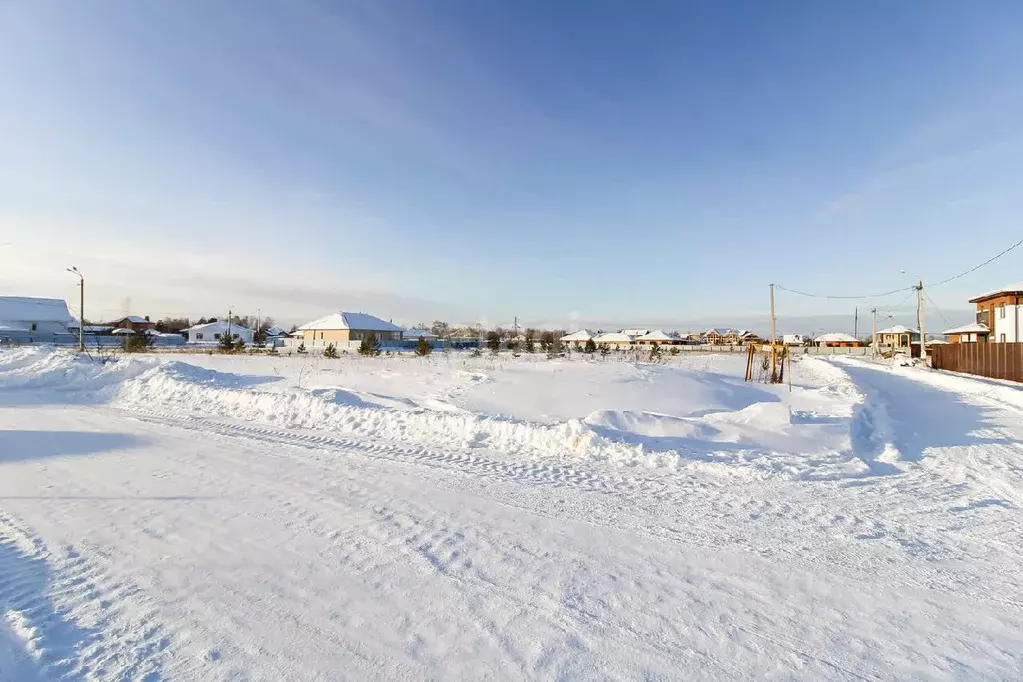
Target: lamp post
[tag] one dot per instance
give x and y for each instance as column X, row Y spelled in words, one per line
column 81, row 307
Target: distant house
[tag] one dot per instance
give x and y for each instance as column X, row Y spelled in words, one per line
column 898, row 336
column 968, row 333
column 577, row 339
column 347, row 330
column 658, row 338
column 837, row 340
column 721, row 336
column 793, row 339
column 613, row 340
column 212, row 332
column 1000, row 311
column 416, row 334
column 132, row 322
column 744, row 336
column 28, row 318
column 635, row 333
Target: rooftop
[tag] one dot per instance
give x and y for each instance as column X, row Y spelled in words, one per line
column 1014, row 288
column 972, row 328
column 355, row 321
column 30, row 309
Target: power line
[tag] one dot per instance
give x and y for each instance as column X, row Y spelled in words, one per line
column 940, row 314
column 803, row 293
column 901, row 289
column 977, row 267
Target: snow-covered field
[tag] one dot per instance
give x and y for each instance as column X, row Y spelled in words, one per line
column 233, row 517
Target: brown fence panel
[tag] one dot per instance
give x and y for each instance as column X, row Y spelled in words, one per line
column 995, row 360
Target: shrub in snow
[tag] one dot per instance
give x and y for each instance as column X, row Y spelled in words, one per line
column 239, row 344
column 137, row 343
column 591, row 346
column 529, row 345
column 301, row 347
column 369, row 346
column 494, row 342
column 330, row 351
column 423, row 347
column 655, row 353
column 604, row 350
column 546, row 341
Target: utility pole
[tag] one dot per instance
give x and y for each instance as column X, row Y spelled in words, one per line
column 774, row 340
column 229, row 325
column 856, row 322
column 920, row 319
column 873, row 330
column 516, row 324
column 81, row 308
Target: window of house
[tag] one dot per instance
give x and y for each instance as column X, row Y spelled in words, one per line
column 198, row 336
column 32, row 327
column 216, row 336
column 1001, row 311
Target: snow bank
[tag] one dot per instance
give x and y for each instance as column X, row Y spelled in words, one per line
column 39, row 367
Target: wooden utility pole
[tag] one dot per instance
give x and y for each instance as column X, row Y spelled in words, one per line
column 873, row 330
column 920, row 319
column 774, row 341
column 81, row 307
column 856, row 322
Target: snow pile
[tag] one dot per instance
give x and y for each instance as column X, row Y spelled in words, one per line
column 39, row 367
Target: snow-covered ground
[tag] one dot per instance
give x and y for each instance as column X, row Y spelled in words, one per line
column 237, row 517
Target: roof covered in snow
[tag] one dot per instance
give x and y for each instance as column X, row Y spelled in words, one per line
column 1014, row 288
column 30, row 309
column 275, row 331
column 972, row 328
column 613, row 337
column 897, row 329
column 356, row 321
column 635, row 332
column 718, row 330
column 218, row 326
column 581, row 335
column 657, row 335
column 416, row 333
column 836, row 337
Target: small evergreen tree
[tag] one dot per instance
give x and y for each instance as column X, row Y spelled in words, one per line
column 546, row 341
column 604, row 350
column 529, row 345
column 330, row 351
column 301, row 347
column 655, row 353
column 239, row 345
column 370, row 346
column 555, row 349
column 139, row 342
column 423, row 347
column 674, row 350
column 591, row 347
column 494, row 342
column 226, row 343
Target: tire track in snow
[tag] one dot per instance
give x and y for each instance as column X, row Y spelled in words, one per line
column 67, row 619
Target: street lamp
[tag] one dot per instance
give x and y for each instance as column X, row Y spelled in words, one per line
column 81, row 307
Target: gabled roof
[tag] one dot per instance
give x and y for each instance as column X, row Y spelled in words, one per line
column 355, row 321
column 134, row 319
column 897, row 329
column 972, row 328
column 1014, row 288
column 718, row 330
column 836, row 337
column 581, row 335
column 275, row 331
column 657, row 335
column 613, row 337
column 219, row 325
column 635, row 332
column 31, row 309
column 416, row 333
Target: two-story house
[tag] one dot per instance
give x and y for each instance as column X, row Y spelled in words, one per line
column 999, row 311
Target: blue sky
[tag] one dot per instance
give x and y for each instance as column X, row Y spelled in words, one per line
column 462, row 160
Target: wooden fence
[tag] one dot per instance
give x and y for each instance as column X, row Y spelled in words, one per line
column 995, row 360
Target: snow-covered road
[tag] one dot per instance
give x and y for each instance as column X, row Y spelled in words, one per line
column 140, row 541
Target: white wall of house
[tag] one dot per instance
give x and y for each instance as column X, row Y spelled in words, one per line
column 211, row 333
column 1006, row 327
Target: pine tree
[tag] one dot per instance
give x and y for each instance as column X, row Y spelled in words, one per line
column 529, row 345
column 591, row 347
column 330, row 351
column 604, row 350
column 369, row 346
column 301, row 347
column 239, row 345
column 546, row 341
column 226, row 343
column 423, row 347
column 655, row 353
column 139, row 342
column 494, row 342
